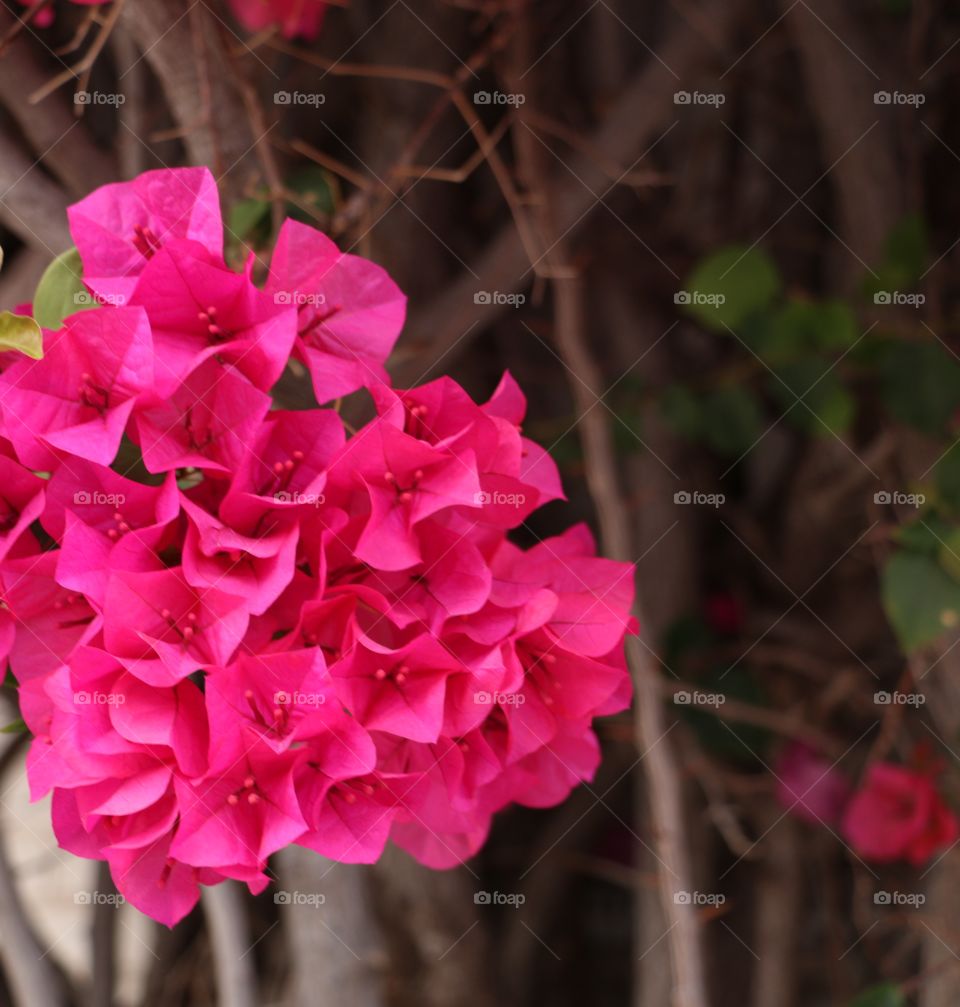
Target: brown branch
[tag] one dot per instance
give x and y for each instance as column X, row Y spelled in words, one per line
column 164, row 36
column 746, row 713
column 778, row 908
column 640, row 117
column 81, row 70
column 33, row 979
column 337, row 948
column 64, row 145
column 224, row 908
column 32, row 205
column 688, row 985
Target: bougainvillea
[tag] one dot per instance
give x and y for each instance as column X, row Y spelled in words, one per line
column 810, row 786
column 44, row 17
column 898, row 814
column 293, row 17
column 895, row 814
column 233, row 626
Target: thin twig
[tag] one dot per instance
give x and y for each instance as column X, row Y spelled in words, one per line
column 662, row 774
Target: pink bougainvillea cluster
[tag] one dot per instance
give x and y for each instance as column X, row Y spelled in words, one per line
column 233, row 626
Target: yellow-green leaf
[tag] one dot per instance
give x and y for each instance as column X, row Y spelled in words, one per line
column 18, row 332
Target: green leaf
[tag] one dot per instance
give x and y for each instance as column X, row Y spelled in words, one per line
column 908, row 249
column 826, row 404
column 886, row 995
column 949, row 553
column 906, row 253
column 247, row 215
column 312, row 184
column 806, row 326
column 746, row 742
column 924, row 536
column 18, row 332
column 682, row 410
column 920, row 383
column 947, row 475
column 832, row 407
column 920, row 599
column 732, row 420
column 730, row 286
column 14, row 727
column 61, row 292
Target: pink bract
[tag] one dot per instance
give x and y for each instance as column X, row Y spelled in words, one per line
column 293, row 17
column 898, row 814
column 235, row 627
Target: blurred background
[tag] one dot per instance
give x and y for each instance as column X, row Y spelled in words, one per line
column 716, row 242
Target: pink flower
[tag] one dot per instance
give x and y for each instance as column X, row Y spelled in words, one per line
column 78, row 398
column 44, row 18
column 199, row 309
column 293, row 17
column 898, row 814
column 349, row 310
column 810, row 786
column 207, row 423
column 120, row 227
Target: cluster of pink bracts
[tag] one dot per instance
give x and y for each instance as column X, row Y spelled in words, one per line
column 232, row 626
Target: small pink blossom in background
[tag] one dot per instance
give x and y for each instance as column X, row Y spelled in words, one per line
column 810, row 786
column 724, row 614
column 294, row 17
column 285, row 634
column 45, row 18
column 898, row 814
